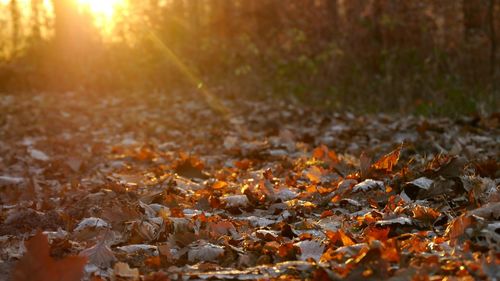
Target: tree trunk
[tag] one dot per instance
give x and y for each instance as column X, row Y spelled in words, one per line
column 35, row 20
column 15, row 18
column 472, row 18
column 493, row 44
column 332, row 7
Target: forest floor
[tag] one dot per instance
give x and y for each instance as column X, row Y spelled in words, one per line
column 167, row 187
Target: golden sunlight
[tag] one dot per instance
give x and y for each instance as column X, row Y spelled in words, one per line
column 104, row 13
column 101, row 8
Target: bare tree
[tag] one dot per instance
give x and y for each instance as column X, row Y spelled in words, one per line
column 15, row 18
column 493, row 39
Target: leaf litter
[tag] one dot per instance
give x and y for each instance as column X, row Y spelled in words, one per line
column 165, row 188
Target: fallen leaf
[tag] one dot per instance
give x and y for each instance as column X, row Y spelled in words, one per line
column 457, row 227
column 314, row 174
column 190, row 169
column 204, row 251
column 10, row 180
column 376, row 233
column 346, row 240
column 425, row 214
column 310, row 249
column 368, row 185
column 100, row 255
column 387, row 162
column 38, row 155
column 123, row 270
column 38, row 265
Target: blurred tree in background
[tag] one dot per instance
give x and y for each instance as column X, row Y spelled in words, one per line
column 377, row 54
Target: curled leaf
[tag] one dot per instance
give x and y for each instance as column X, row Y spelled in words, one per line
column 387, row 162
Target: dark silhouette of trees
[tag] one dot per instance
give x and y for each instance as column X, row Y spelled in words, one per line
column 335, row 47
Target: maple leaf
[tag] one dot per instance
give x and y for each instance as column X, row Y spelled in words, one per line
column 388, row 161
column 38, row 265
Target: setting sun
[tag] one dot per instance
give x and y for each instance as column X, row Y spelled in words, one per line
column 104, row 13
column 104, row 8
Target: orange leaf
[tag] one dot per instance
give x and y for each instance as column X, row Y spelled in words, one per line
column 457, row 227
column 323, row 153
column 177, row 212
column 38, row 265
column 153, row 261
column 333, row 236
column 375, row 233
column 286, row 249
column 314, row 174
column 333, row 156
column 415, row 244
column 390, row 251
column 425, row 213
column 346, row 240
column 243, row 164
column 319, row 152
column 388, row 161
column 326, row 213
column 219, row 185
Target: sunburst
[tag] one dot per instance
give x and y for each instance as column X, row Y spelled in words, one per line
column 101, row 8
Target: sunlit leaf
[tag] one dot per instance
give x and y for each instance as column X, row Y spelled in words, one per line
column 123, row 270
column 387, row 162
column 346, row 240
column 425, row 213
column 376, row 233
column 457, row 227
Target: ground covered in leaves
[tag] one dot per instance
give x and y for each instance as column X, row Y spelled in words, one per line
column 181, row 187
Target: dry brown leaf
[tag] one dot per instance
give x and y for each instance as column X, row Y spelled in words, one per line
column 346, row 240
column 99, row 255
column 38, row 265
column 457, row 227
column 387, row 162
column 123, row 270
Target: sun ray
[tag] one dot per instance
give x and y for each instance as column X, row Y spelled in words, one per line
column 211, row 99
